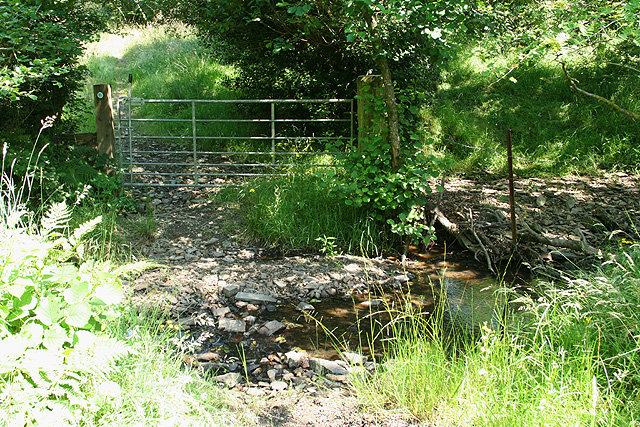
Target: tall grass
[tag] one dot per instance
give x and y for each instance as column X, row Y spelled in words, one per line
column 166, row 62
column 571, row 360
column 156, row 388
column 299, row 211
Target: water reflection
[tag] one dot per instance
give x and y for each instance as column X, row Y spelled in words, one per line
column 358, row 320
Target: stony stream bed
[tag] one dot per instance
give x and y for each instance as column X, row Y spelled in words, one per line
column 257, row 320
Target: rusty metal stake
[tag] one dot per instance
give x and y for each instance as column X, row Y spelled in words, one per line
column 512, row 199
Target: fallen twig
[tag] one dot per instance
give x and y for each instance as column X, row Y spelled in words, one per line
column 581, row 246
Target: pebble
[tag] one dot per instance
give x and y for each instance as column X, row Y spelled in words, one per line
column 279, row 385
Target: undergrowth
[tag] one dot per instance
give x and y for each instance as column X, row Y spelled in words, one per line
column 298, row 211
column 569, row 356
column 554, row 129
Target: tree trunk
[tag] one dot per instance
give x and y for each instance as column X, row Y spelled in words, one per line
column 392, row 113
column 389, row 92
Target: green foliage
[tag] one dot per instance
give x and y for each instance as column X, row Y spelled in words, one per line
column 41, row 43
column 53, row 304
column 567, row 356
column 514, row 80
column 298, row 211
column 318, row 48
column 396, row 198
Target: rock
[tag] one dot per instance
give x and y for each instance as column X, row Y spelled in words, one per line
column 272, row 373
column 255, row 298
column 250, row 319
column 337, row 378
column 230, row 290
column 255, row 391
column 140, row 287
column 334, row 367
column 297, row 359
column 228, row 259
column 402, row 278
column 373, row 303
column 271, row 328
column 288, row 377
column 231, row 379
column 207, row 357
column 280, row 283
column 354, row 358
column 303, row 306
column 232, row 325
column 279, row 385
column 211, row 241
column 187, row 321
column 271, row 308
column 221, row 312
column 352, row 268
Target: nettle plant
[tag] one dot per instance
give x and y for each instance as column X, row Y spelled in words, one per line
column 53, row 303
column 395, row 197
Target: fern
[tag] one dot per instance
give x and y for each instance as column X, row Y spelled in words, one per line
column 83, row 229
column 96, row 355
column 57, row 217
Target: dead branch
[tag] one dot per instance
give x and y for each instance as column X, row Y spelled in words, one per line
column 581, row 246
column 616, row 107
column 484, row 249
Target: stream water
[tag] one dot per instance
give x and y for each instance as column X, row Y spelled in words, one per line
column 360, row 322
column 357, row 321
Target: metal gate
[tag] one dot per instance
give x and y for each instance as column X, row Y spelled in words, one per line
column 208, row 143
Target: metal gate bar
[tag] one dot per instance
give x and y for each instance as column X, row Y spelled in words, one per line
column 134, row 164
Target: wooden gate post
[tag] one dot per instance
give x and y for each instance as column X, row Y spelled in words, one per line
column 371, row 120
column 106, row 140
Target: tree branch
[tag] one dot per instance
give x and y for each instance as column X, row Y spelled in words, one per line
column 581, row 246
column 616, row 107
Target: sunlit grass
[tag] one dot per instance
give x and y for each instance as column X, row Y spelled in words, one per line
column 166, row 61
column 156, row 388
column 298, row 211
column 554, row 129
column 568, row 356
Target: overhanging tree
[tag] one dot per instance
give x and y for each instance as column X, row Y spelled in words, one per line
column 396, row 37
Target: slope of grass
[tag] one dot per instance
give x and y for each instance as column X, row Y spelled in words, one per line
column 166, row 62
column 555, row 130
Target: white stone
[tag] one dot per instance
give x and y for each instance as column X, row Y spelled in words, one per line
column 255, row 298
column 232, row 325
column 279, row 385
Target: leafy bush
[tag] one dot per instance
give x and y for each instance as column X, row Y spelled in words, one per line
column 39, row 72
column 53, row 305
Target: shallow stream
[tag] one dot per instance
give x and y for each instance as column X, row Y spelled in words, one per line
column 347, row 322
